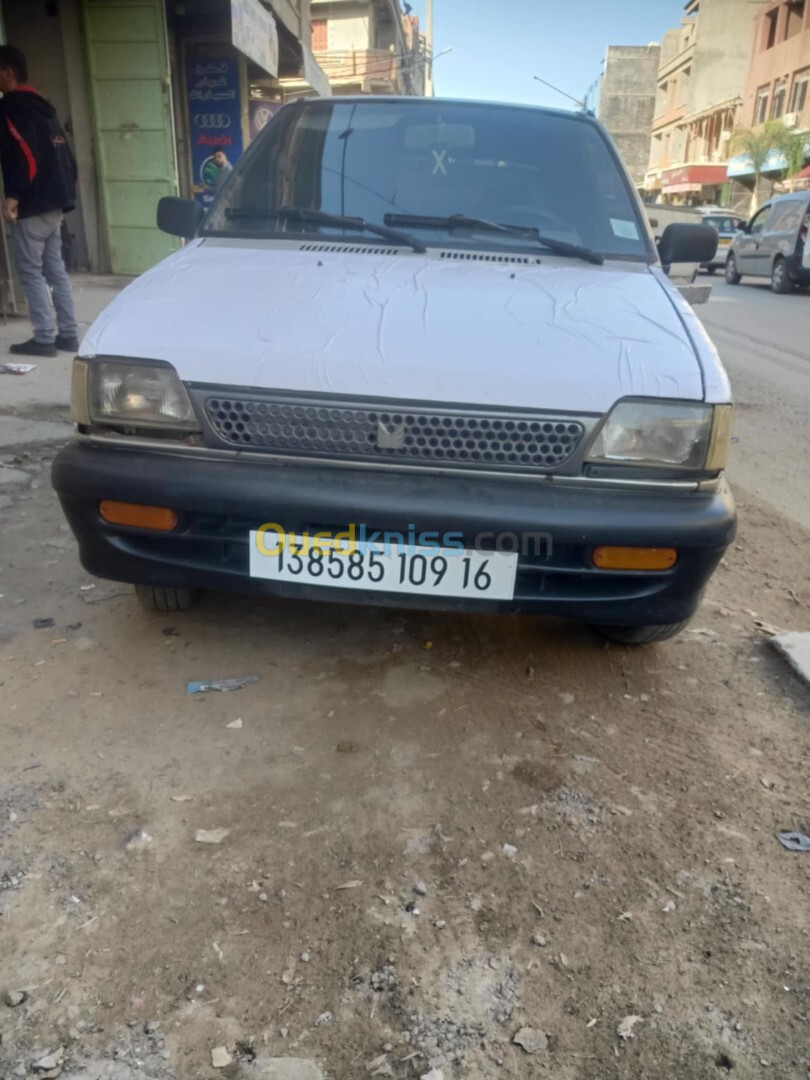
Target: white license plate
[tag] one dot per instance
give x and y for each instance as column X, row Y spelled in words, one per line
column 724, row 242
column 396, row 568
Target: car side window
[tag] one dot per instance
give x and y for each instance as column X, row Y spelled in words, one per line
column 758, row 222
column 787, row 216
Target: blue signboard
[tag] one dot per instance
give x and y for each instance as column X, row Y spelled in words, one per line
column 214, row 120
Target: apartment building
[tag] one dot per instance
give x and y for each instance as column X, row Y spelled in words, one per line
column 624, row 97
column 778, row 82
column 700, row 81
column 369, row 46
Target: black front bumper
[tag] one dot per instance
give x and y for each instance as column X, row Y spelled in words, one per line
column 220, row 501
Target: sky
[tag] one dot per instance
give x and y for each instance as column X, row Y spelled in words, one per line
column 499, row 45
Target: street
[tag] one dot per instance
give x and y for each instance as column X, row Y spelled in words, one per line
column 435, row 829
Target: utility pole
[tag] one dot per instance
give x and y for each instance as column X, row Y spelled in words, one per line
column 429, row 50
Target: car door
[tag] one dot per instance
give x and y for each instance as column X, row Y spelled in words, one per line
column 749, row 260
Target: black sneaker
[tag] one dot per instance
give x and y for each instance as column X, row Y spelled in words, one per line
column 67, row 344
column 32, row 347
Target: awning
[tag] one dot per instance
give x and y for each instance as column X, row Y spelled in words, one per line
column 691, row 178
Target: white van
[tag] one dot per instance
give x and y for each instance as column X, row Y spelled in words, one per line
column 418, row 352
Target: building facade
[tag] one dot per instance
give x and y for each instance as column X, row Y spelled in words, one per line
column 147, row 91
column 624, row 100
column 778, row 82
column 368, row 47
column 700, row 84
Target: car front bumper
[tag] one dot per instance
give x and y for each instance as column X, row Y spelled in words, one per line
column 220, row 501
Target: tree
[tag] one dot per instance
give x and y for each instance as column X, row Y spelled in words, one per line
column 795, row 153
column 757, row 144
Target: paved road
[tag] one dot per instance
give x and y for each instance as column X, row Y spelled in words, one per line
column 765, row 344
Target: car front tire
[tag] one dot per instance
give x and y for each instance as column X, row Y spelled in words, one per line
column 780, row 278
column 732, row 276
column 164, row 598
column 641, row 635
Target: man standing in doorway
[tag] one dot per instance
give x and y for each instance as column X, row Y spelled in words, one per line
column 39, row 175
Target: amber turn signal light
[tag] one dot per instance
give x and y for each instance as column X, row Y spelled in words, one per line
column 634, row 558
column 140, row 517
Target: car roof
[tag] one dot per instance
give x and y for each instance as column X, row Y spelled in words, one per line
column 788, row 195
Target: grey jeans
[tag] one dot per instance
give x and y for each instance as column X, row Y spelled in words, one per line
column 38, row 247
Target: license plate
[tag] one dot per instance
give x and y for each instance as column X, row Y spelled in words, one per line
column 723, row 242
column 395, row 568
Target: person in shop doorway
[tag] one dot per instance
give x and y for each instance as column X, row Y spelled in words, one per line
column 224, row 168
column 39, row 177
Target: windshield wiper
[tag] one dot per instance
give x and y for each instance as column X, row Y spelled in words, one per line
column 320, row 217
column 461, row 221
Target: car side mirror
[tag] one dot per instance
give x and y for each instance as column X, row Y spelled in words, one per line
column 179, row 217
column 744, row 227
column 688, row 244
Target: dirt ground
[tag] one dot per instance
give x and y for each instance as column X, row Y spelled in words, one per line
column 441, row 830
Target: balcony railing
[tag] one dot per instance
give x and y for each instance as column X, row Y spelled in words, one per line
column 375, row 65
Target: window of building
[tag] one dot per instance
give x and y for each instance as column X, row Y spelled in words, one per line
column 795, row 18
column 686, row 76
column 320, row 42
column 761, row 107
column 798, row 96
column 779, row 100
column 769, row 36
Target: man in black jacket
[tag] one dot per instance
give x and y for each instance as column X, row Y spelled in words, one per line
column 39, row 176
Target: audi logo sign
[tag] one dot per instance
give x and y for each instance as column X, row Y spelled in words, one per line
column 212, row 121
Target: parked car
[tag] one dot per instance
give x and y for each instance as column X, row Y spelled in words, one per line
column 772, row 244
column 727, row 225
column 418, row 352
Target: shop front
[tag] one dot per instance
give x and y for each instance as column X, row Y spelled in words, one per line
column 695, row 185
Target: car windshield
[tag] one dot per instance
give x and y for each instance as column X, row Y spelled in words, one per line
column 379, row 160
column 721, row 223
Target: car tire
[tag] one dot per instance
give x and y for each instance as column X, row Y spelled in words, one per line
column 641, row 635
column 732, row 277
column 166, row 598
column 711, row 269
column 780, row 278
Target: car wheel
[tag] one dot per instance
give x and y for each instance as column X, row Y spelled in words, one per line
column 711, row 269
column 732, row 277
column 166, row 598
column 780, row 278
column 641, row 635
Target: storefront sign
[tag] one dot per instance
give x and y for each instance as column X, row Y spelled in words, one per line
column 214, row 120
column 254, row 33
column 260, row 113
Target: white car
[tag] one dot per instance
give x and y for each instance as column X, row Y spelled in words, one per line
column 418, row 352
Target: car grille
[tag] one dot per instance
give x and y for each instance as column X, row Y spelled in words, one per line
column 403, row 433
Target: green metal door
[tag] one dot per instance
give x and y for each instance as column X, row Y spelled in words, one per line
column 129, row 79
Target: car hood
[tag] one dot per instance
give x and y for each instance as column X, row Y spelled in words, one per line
column 443, row 327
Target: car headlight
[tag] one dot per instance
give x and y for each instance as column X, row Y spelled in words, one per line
column 681, row 435
column 139, row 395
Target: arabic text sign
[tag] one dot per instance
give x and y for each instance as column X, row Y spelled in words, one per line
column 254, row 33
column 214, row 119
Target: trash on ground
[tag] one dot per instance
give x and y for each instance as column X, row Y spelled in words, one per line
column 202, row 686
column 210, row 836
column 16, row 369
column 220, row 1058
column 624, row 1029
column 348, row 885
column 794, row 646
column 182, row 798
column 138, row 841
column 42, row 624
column 236, row 724
column 530, row 1039
column 794, row 841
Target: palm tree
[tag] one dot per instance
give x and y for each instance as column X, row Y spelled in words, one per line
column 757, row 144
column 795, row 152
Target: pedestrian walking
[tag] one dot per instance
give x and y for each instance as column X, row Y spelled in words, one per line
column 39, row 176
